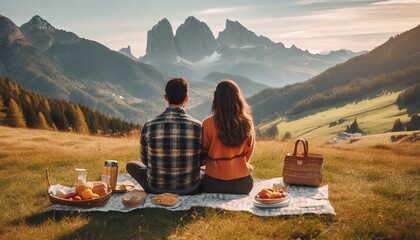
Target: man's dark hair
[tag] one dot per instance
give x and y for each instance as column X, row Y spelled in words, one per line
column 176, row 90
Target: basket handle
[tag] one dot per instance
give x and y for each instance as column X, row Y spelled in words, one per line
column 305, row 147
column 47, row 177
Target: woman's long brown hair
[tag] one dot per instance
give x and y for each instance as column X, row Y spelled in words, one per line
column 231, row 113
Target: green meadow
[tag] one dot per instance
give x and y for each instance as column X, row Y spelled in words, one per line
column 373, row 187
column 374, row 115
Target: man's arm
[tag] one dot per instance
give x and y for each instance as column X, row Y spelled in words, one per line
column 143, row 147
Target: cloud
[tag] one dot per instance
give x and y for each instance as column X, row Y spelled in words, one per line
column 219, row 11
column 398, row 2
column 356, row 28
column 307, row 2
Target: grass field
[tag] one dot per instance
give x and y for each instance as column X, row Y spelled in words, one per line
column 374, row 115
column 373, row 183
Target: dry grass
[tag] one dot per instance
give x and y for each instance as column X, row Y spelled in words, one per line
column 374, row 189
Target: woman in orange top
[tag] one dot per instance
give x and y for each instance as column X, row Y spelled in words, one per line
column 228, row 141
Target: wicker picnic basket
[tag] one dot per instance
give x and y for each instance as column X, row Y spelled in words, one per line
column 81, row 203
column 303, row 169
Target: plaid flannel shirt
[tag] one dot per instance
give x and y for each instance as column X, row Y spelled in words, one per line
column 170, row 146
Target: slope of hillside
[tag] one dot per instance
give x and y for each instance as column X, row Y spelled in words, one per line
column 397, row 54
column 375, row 114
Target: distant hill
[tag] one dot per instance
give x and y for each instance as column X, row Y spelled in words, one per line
column 194, row 52
column 202, row 109
column 247, row 85
column 27, row 109
column 61, row 65
column 394, row 64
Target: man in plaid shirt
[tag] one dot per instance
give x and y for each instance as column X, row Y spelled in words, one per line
column 170, row 147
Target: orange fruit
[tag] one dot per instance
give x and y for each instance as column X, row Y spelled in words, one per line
column 77, row 198
column 83, row 187
column 264, row 196
column 95, row 196
column 87, row 194
column 277, row 195
column 266, row 191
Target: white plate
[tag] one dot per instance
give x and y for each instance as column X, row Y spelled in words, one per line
column 272, row 205
column 122, row 188
column 272, row 200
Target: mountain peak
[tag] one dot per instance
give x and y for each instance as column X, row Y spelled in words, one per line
column 127, row 52
column 191, row 19
column 161, row 42
column 231, row 24
column 9, row 32
column 236, row 35
column 194, row 40
column 39, row 23
column 43, row 35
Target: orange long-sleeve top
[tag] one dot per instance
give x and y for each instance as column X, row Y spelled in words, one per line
column 223, row 162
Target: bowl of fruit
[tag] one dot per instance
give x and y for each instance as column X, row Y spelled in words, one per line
column 270, row 196
column 86, row 195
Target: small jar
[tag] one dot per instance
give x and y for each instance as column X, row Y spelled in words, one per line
column 80, row 176
column 276, row 187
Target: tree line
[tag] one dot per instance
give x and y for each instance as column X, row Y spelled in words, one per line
column 26, row 109
column 409, row 96
column 357, row 88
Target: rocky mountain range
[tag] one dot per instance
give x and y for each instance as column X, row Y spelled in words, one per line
column 61, row 65
column 194, row 52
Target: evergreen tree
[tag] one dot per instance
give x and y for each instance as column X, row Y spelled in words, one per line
column 287, row 136
column 81, row 125
column 398, row 126
column 54, row 128
column 59, row 117
column 42, row 123
column 28, row 111
column 414, row 123
column 70, row 115
column 353, row 128
column 45, row 108
column 14, row 115
column 271, row 132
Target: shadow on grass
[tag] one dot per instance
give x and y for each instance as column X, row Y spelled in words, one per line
column 150, row 223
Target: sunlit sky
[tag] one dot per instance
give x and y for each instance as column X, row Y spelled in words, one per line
column 314, row 25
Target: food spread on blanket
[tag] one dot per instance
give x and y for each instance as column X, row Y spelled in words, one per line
column 134, row 198
column 277, row 191
column 165, row 199
column 123, row 187
column 272, row 198
column 85, row 191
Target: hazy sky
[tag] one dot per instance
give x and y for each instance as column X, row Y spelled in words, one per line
column 315, row 25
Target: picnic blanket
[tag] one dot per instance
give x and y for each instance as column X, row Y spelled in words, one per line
column 303, row 200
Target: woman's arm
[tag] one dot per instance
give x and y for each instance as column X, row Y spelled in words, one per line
column 250, row 142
